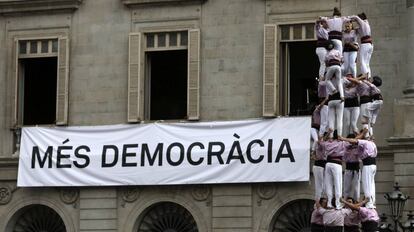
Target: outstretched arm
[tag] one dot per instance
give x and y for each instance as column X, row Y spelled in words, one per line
column 353, row 206
column 349, row 140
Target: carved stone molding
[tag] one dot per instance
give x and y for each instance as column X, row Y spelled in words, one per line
column 266, row 191
column 138, row 3
column 31, row 6
column 200, row 192
column 69, row 195
column 130, row 194
column 5, row 195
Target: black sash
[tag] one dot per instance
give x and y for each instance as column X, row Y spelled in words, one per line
column 333, row 228
column 320, row 163
column 351, row 102
column 366, row 39
column 334, row 96
column 317, row 228
column 365, row 99
column 369, row 226
column 351, row 228
column 354, row 166
column 335, row 35
column 369, row 161
column 377, row 96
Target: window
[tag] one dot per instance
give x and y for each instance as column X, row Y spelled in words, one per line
column 164, row 75
column 41, row 81
column 290, row 69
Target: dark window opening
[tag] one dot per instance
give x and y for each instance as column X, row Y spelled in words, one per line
column 304, row 67
column 167, row 85
column 39, row 90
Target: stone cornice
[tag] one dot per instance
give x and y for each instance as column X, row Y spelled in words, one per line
column 137, row 3
column 405, row 143
column 9, row 162
column 10, row 7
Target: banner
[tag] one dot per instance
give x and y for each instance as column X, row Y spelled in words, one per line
column 263, row 150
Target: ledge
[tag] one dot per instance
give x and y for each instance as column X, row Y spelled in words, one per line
column 406, row 143
column 10, row 7
column 137, row 3
column 9, row 162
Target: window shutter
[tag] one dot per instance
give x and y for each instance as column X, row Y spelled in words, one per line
column 134, row 69
column 270, row 83
column 62, row 82
column 193, row 91
column 15, row 75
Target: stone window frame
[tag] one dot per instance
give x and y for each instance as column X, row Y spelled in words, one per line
column 275, row 90
column 62, row 35
column 136, row 71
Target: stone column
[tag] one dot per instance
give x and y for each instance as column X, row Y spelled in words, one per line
column 409, row 90
column 402, row 143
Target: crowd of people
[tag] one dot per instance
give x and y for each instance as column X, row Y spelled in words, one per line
column 344, row 100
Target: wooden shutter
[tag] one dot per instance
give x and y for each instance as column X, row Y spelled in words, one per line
column 193, row 91
column 62, row 82
column 270, row 83
column 134, row 73
column 15, row 75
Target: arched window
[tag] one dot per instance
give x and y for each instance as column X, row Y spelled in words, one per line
column 293, row 217
column 167, row 217
column 36, row 218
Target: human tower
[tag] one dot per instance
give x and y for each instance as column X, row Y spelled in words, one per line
column 344, row 99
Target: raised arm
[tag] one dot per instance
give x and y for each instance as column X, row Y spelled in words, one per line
column 358, row 19
column 349, row 140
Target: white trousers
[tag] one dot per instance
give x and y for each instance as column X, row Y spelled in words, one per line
column 335, row 113
column 365, row 118
column 333, row 183
column 365, row 53
column 334, row 83
column 368, row 183
column 349, row 65
column 373, row 109
column 321, row 53
column 318, row 174
column 337, row 45
column 314, row 138
column 351, row 115
column 324, row 120
column 352, row 180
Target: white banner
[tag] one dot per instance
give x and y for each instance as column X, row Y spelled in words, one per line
column 166, row 153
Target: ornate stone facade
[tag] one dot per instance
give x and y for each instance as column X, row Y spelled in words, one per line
column 231, row 88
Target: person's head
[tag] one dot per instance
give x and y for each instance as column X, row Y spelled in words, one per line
column 323, row 202
column 330, row 46
column 377, row 81
column 324, row 24
column 336, row 12
column 350, row 200
column 362, row 16
column 348, row 27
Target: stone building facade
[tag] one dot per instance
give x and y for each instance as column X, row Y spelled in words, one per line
column 239, row 55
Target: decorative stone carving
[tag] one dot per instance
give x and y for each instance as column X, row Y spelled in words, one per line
column 30, row 6
column 5, row 195
column 69, row 195
column 200, row 192
column 130, row 194
column 266, row 191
